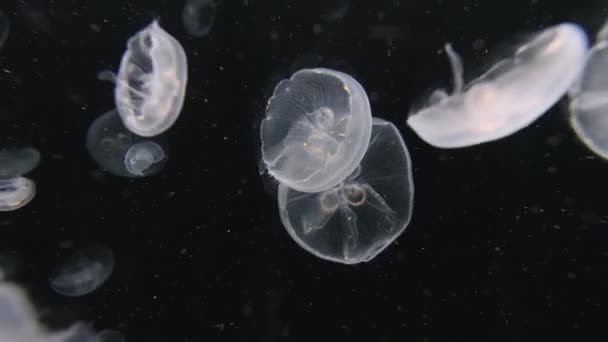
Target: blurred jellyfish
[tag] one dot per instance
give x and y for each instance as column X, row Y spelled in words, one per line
column 335, row 10
column 151, row 82
column 508, row 97
column 316, row 130
column 122, row 153
column 111, row 336
column 19, row 323
column 589, row 98
column 4, row 29
column 17, row 191
column 358, row 218
column 142, row 157
column 199, row 16
column 84, row 271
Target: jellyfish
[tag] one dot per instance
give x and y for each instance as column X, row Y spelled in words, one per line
column 151, row 82
column 357, row 219
column 4, row 29
column 83, row 272
column 17, row 191
column 18, row 321
column 589, row 98
column 110, row 336
column 509, row 96
column 122, row 153
column 317, row 128
column 142, row 157
column 198, row 17
column 18, row 161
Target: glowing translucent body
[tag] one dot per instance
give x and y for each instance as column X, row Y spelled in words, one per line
column 15, row 193
column 19, row 322
column 198, row 17
column 357, row 219
column 316, row 130
column 507, row 98
column 151, row 82
column 85, row 271
column 120, row 152
column 17, row 162
column 589, row 99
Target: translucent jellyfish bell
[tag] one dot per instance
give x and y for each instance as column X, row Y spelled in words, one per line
column 85, row 271
column 358, row 218
column 317, row 129
column 142, row 157
column 508, row 97
column 151, row 81
column 16, row 193
column 198, row 16
column 122, row 153
column 17, row 162
column 589, row 98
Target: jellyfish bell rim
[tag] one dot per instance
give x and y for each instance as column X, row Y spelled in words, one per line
column 355, row 159
column 23, row 200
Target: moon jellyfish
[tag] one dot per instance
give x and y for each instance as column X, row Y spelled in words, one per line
column 17, row 191
column 198, row 17
column 151, row 81
column 142, row 157
column 122, row 153
column 589, row 98
column 357, row 219
column 4, row 28
column 110, row 336
column 19, row 323
column 17, row 162
column 83, row 272
column 317, row 129
column 509, row 96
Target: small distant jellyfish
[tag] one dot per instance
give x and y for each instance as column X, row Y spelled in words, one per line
column 110, row 336
column 19, row 323
column 317, row 129
column 589, row 98
column 142, row 157
column 122, row 153
column 199, row 16
column 151, row 82
column 509, row 96
column 357, row 219
column 17, row 191
column 83, row 272
column 4, row 29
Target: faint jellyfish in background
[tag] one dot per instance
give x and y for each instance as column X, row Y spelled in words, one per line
column 4, row 29
column 317, row 129
column 358, row 218
column 19, row 323
column 199, row 16
column 110, row 336
column 122, row 153
column 335, row 10
column 83, row 272
column 589, row 98
column 17, row 191
column 508, row 97
column 151, row 82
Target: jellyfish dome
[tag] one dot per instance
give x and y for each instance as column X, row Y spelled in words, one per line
column 83, row 272
column 151, row 81
column 17, row 162
column 358, row 218
column 16, row 193
column 589, row 99
column 509, row 96
column 317, row 128
column 122, row 153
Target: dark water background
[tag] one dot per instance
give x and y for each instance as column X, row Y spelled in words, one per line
column 508, row 240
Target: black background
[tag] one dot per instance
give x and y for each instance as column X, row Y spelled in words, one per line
column 508, row 239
